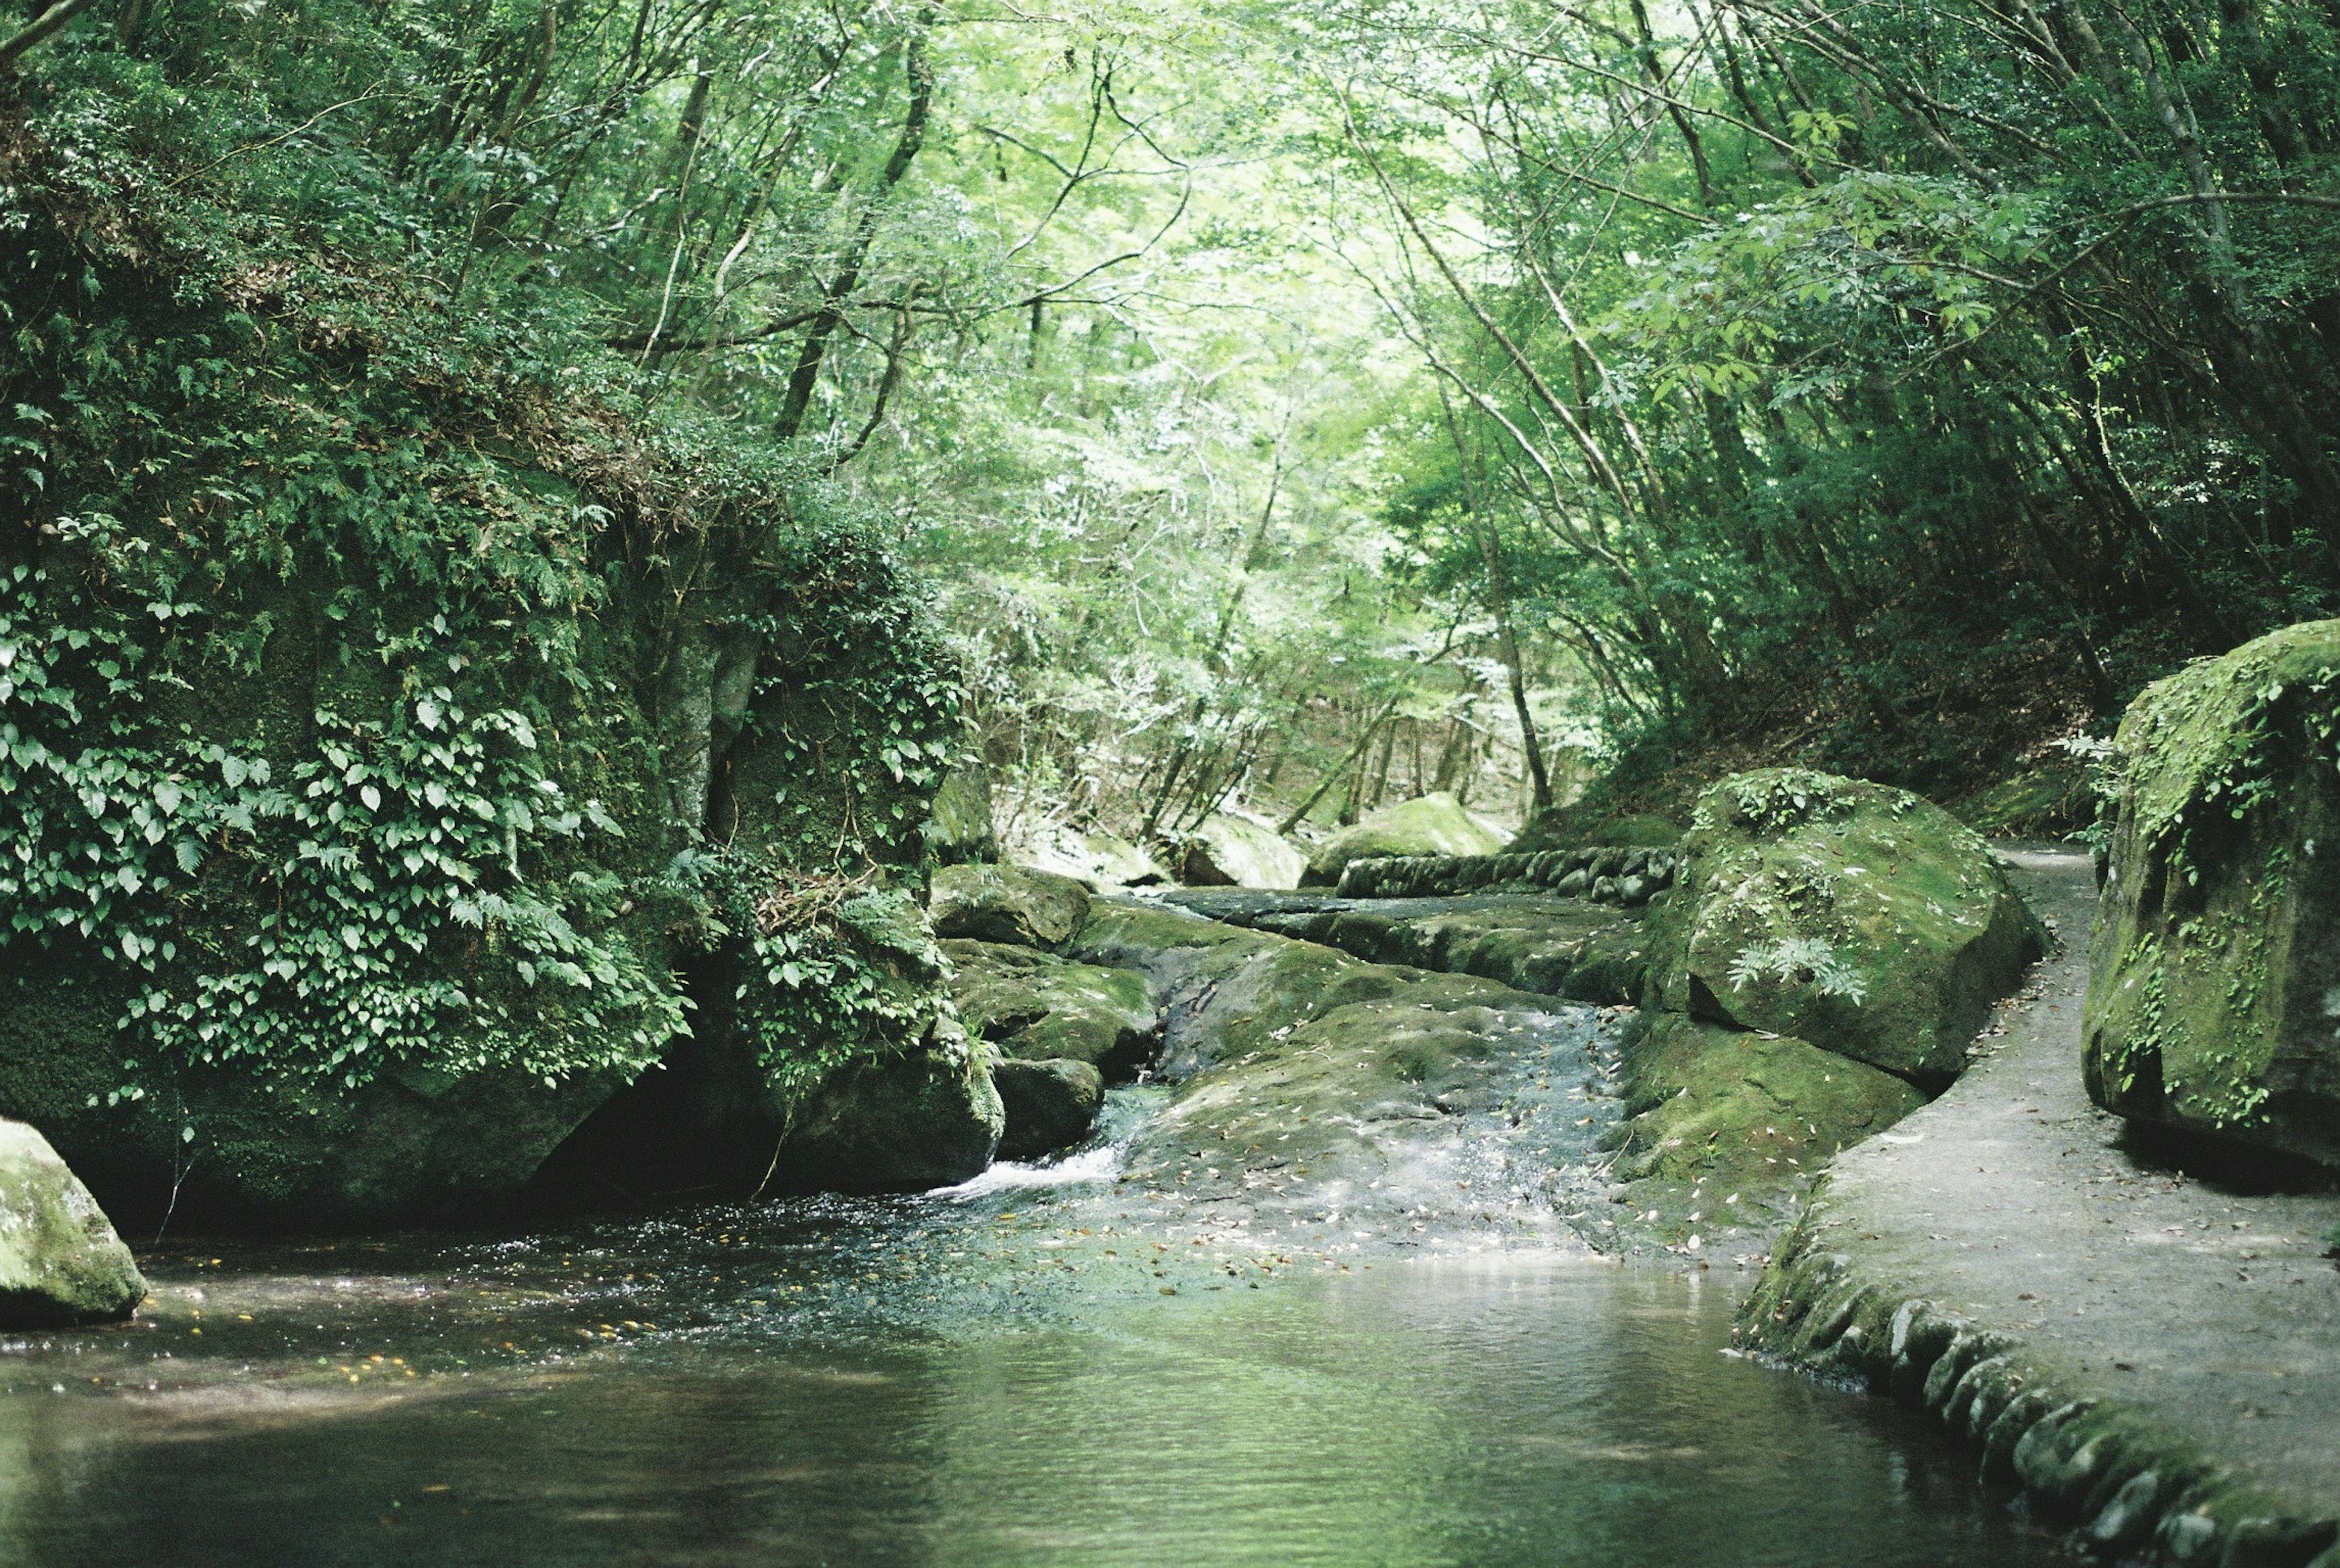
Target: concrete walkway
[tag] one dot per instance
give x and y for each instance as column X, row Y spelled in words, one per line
column 2204, row 1308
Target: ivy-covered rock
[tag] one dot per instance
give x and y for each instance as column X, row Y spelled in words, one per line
column 60, row 1261
column 1854, row 916
column 2214, row 968
column 1435, row 824
column 1011, row 904
column 1233, row 850
column 1049, row 1104
column 380, row 805
column 1036, row 1006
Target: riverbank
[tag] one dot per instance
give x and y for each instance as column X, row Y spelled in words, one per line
column 2150, row 1344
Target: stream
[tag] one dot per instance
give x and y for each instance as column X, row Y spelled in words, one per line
column 1045, row 1366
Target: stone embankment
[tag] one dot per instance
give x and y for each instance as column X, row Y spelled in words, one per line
column 1606, row 874
column 2148, row 1349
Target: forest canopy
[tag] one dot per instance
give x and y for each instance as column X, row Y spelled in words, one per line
column 1307, row 405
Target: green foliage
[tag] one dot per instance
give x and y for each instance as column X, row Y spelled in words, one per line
column 410, row 893
column 1799, row 960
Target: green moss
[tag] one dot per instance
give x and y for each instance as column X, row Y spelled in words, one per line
column 1431, row 825
column 2210, row 978
column 1037, row 1006
column 1753, row 1110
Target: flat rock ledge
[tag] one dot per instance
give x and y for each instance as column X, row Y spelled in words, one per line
column 2149, row 1356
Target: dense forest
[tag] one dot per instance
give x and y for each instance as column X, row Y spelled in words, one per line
column 1345, row 400
column 1175, row 409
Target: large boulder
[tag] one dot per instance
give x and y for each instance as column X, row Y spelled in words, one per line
column 1013, row 904
column 1854, row 916
column 1049, row 1104
column 1434, row 824
column 927, row 1119
column 1232, row 849
column 1037, row 1006
column 60, row 1261
column 2215, row 967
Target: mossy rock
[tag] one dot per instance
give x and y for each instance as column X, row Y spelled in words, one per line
column 1011, row 904
column 1225, row 990
column 61, row 1262
column 2215, row 966
column 1036, row 1006
column 1049, row 1104
column 1705, row 1102
column 1559, row 947
column 1325, row 1099
column 1852, row 915
column 2044, row 800
column 927, row 1119
column 1230, row 850
column 1436, row 824
column 959, row 828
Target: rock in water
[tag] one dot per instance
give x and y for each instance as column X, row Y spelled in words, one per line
column 1041, row 1007
column 1706, row 1102
column 60, row 1261
column 2215, row 969
column 1433, row 825
column 1852, row 915
column 1235, row 850
column 1013, row 904
column 1049, row 1104
column 926, row 1119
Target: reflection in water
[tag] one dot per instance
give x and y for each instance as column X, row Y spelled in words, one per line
column 1504, row 1410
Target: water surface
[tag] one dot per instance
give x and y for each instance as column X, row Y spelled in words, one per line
column 1037, row 1371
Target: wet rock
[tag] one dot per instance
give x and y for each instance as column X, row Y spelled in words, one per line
column 1037, row 1005
column 1048, row 1105
column 60, row 1260
column 1853, row 916
column 2216, row 961
column 927, row 1119
column 1234, row 849
column 1011, row 904
column 1433, row 825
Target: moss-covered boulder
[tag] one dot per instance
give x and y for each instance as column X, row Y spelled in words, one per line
column 1854, row 916
column 1039, row 1007
column 1011, row 904
column 927, row 1119
column 1436, row 824
column 1230, row 850
column 1704, row 1102
column 1049, row 1104
column 60, row 1260
column 2214, row 967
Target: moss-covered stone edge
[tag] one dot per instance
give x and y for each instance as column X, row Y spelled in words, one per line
column 2127, row 1484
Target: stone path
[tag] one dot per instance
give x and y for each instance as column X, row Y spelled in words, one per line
column 2205, row 1308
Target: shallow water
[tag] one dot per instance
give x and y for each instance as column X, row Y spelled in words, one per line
column 1042, row 1368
